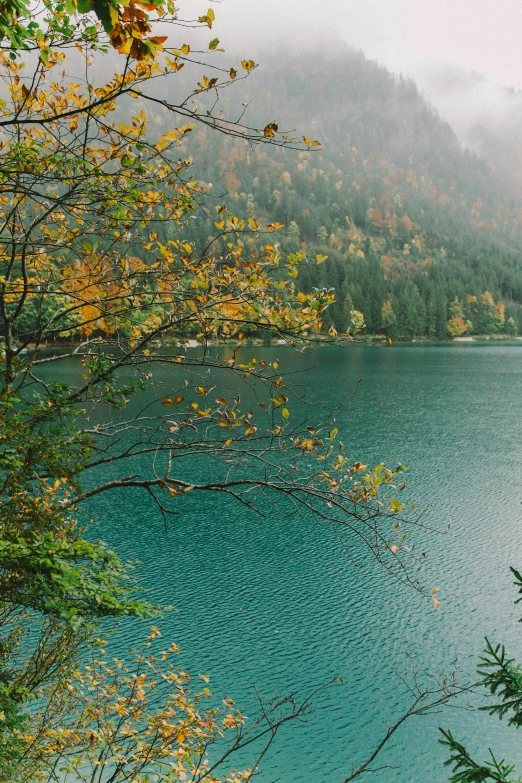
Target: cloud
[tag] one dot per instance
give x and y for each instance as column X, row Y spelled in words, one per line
column 486, row 116
column 404, row 35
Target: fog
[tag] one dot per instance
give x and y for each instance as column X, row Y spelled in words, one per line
column 404, row 35
column 463, row 54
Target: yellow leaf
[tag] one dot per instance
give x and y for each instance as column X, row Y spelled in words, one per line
column 208, row 18
column 270, row 130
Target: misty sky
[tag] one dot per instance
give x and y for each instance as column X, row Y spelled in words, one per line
column 406, row 35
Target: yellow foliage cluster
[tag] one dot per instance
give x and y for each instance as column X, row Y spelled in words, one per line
column 130, row 722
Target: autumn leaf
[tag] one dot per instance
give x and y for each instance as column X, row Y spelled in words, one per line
column 208, row 18
column 158, row 39
column 270, row 130
column 169, row 401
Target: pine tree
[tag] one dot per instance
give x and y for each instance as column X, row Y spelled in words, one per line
column 388, row 318
column 292, row 237
column 511, row 327
column 441, row 317
column 431, row 315
column 412, row 312
column 500, row 316
column 487, row 314
column 347, row 307
column 502, row 677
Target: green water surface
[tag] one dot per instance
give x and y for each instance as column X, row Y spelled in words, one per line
column 278, row 603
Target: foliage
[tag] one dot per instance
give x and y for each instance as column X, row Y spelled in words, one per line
column 502, row 677
column 65, row 24
column 401, row 211
column 137, row 720
column 99, row 271
column 511, row 327
column 142, row 720
column 388, row 318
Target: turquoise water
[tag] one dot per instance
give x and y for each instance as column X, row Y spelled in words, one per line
column 279, row 604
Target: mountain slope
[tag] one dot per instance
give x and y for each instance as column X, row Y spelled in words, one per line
column 419, row 232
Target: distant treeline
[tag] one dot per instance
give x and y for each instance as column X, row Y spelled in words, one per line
column 420, row 235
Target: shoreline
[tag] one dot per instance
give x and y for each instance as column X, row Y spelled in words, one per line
column 362, row 341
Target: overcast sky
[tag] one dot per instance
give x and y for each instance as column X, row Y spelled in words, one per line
column 406, row 35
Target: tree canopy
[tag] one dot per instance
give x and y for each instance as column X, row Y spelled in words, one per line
column 98, row 270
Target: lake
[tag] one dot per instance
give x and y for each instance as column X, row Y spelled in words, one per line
column 279, row 604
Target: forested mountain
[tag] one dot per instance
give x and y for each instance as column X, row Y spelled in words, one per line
column 421, row 235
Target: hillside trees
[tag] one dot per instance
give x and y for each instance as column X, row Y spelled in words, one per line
column 390, row 197
column 487, row 314
column 457, row 325
column 95, row 245
column 388, row 318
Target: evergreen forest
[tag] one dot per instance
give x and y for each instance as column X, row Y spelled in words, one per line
column 421, row 236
